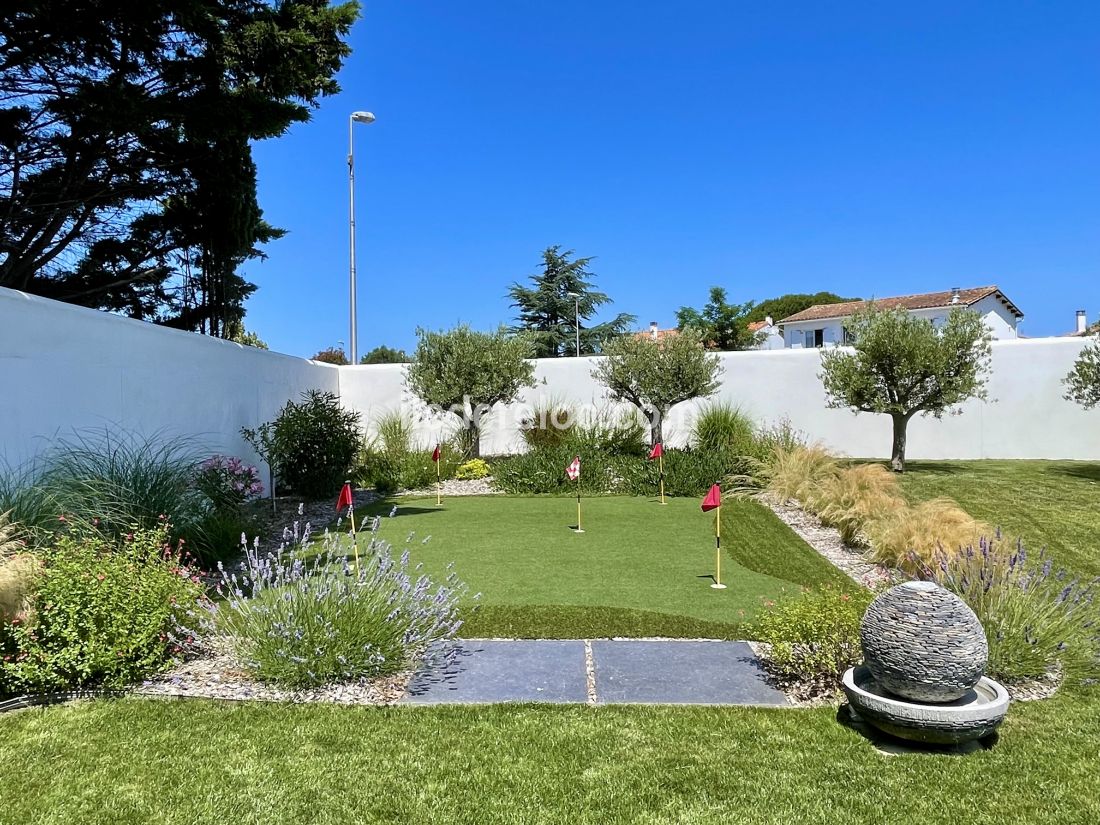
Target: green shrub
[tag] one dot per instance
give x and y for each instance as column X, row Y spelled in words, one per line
column 617, row 432
column 812, row 637
column 312, row 445
column 306, row 617
column 549, row 424
column 1037, row 620
column 473, row 469
column 722, row 427
column 105, row 613
column 543, row 471
column 395, row 432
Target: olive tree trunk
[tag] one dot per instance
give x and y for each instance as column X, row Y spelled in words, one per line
column 654, row 420
column 897, row 451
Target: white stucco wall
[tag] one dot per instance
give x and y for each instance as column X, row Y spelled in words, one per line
column 1025, row 416
column 64, row 368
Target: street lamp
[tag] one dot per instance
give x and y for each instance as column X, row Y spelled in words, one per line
column 355, row 117
column 576, row 296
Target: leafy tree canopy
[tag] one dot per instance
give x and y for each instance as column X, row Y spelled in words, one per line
column 332, row 355
column 126, row 174
column 250, row 339
column 385, row 355
column 1083, row 381
column 467, row 373
column 655, row 376
column 786, row 305
column 902, row 365
column 722, row 325
column 548, row 310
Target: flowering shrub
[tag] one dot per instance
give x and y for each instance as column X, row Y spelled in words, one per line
column 473, row 469
column 105, row 613
column 1036, row 619
column 306, row 616
column 812, row 637
column 228, row 482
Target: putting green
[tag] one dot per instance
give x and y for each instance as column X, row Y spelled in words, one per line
column 639, row 568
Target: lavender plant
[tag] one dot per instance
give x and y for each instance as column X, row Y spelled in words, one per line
column 1038, row 620
column 305, row 615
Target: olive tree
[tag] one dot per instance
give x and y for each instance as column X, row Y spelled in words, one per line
column 902, row 365
column 656, row 375
column 466, row 373
column 1083, row 381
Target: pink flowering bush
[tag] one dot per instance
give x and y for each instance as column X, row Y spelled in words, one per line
column 228, row 482
column 105, row 613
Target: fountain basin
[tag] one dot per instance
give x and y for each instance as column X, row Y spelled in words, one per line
column 975, row 715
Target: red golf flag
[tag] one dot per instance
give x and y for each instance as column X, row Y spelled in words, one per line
column 345, row 498
column 713, row 499
column 574, row 469
column 657, row 451
column 436, row 454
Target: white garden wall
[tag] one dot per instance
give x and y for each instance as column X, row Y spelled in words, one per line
column 1025, row 416
column 65, row 368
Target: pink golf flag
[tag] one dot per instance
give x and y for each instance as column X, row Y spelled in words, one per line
column 713, row 499
column 657, row 451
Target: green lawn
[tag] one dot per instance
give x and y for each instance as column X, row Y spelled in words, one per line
column 640, row 569
column 148, row 761
column 1052, row 504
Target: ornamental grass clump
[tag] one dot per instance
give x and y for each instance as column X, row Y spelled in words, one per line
column 795, row 473
column 1039, row 621
column 855, row 496
column 308, row 615
column 909, row 537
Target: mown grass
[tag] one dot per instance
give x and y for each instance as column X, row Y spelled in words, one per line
column 640, row 569
column 144, row 761
column 1052, row 504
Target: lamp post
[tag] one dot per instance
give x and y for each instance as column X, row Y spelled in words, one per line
column 355, row 117
column 577, row 319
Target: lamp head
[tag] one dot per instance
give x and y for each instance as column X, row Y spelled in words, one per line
column 363, row 117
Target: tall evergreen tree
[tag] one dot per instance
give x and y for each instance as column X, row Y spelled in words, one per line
column 126, row 173
column 548, row 310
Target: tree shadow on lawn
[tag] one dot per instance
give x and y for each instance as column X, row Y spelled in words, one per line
column 1084, row 470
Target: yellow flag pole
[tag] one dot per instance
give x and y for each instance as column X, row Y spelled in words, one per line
column 661, row 467
column 718, row 549
column 354, row 538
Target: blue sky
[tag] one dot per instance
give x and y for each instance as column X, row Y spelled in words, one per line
column 862, row 148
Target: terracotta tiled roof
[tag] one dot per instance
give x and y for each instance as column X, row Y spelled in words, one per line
column 929, row 300
column 756, row 326
column 661, row 333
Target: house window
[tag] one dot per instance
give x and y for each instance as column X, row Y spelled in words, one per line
column 848, row 338
column 815, row 338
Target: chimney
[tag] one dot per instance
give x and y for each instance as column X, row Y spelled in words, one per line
column 1082, row 322
column 955, row 295
column 653, row 330
column 768, row 320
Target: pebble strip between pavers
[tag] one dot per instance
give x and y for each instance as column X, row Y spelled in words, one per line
column 599, row 671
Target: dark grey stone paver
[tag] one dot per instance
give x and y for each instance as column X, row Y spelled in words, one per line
column 680, row 672
column 484, row 671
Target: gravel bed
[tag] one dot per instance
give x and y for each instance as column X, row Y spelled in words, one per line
column 456, row 487
column 218, row 675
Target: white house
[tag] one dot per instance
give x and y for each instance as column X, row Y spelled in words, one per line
column 769, row 335
column 822, row 325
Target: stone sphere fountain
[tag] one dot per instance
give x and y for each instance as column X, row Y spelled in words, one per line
column 924, row 654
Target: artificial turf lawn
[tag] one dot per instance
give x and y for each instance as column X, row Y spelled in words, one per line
column 1051, row 504
column 155, row 761
column 640, row 569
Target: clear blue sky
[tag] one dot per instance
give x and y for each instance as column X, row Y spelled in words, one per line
column 768, row 147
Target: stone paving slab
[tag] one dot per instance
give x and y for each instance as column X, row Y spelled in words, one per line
column 665, row 671
column 680, row 672
column 521, row 670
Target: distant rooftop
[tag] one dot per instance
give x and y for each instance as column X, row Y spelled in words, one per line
column 927, row 300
